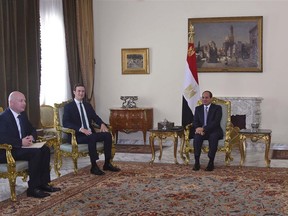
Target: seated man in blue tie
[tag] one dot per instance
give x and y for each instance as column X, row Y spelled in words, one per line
column 206, row 122
column 79, row 115
column 16, row 130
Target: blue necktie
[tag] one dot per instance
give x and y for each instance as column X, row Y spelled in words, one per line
column 205, row 115
column 22, row 130
column 83, row 117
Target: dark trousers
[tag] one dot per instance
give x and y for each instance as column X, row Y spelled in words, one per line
column 92, row 142
column 213, row 145
column 38, row 162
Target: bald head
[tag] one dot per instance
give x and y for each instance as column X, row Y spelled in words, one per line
column 17, row 101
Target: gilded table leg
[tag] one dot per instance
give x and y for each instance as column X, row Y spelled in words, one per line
column 160, row 147
column 175, row 147
column 182, row 149
column 151, row 141
column 242, row 148
column 267, row 139
column 182, row 146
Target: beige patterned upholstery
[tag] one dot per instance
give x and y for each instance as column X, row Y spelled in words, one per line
column 73, row 149
column 47, row 120
column 12, row 169
column 224, row 145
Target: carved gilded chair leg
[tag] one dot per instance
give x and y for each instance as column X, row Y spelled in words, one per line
column 12, row 183
column 75, row 165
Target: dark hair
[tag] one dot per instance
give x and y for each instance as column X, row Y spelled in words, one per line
column 209, row 92
column 78, row 85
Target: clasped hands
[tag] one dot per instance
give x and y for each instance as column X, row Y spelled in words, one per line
column 88, row 132
column 200, row 130
column 27, row 141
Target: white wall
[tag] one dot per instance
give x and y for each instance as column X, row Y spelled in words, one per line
column 161, row 26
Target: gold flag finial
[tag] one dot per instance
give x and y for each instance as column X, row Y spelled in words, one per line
column 191, row 34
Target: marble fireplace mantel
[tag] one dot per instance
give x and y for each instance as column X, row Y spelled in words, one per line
column 248, row 106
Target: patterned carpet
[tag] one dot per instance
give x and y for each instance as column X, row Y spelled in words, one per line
column 162, row 189
column 138, row 149
column 279, row 154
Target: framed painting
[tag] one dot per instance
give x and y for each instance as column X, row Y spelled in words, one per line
column 135, row 61
column 228, row 44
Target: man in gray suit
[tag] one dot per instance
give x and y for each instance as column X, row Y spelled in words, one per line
column 206, row 122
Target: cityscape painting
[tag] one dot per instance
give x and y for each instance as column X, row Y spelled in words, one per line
column 227, row 44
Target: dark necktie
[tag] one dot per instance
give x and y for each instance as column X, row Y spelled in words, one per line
column 83, row 117
column 205, row 115
column 22, row 130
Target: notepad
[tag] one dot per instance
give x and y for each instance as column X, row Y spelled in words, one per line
column 35, row 145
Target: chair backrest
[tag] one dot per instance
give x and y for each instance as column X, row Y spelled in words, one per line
column 58, row 120
column 47, row 116
column 58, row 113
column 226, row 114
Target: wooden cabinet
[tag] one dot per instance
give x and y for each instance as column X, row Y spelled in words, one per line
column 130, row 120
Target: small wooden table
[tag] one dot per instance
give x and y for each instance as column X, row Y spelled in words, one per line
column 255, row 135
column 131, row 119
column 163, row 134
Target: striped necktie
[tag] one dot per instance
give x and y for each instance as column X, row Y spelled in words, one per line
column 205, row 115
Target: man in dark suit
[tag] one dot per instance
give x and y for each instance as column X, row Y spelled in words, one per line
column 16, row 130
column 206, row 122
column 80, row 115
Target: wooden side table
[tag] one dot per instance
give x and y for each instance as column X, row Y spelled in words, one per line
column 131, row 119
column 163, row 134
column 255, row 135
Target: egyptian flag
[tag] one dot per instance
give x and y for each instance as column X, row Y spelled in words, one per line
column 191, row 92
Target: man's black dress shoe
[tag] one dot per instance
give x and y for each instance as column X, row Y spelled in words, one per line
column 196, row 167
column 37, row 193
column 96, row 171
column 210, row 167
column 110, row 167
column 49, row 188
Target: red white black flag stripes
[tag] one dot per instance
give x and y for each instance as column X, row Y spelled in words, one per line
column 191, row 92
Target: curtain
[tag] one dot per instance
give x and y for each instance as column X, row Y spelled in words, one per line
column 79, row 32
column 85, row 33
column 55, row 85
column 20, row 53
column 69, row 11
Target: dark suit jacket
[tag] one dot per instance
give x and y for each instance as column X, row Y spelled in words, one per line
column 213, row 119
column 72, row 119
column 9, row 131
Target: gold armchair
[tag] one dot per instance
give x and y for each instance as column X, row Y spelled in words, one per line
column 12, row 169
column 65, row 149
column 224, row 145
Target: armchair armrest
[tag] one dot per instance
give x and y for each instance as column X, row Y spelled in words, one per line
column 71, row 131
column 9, row 157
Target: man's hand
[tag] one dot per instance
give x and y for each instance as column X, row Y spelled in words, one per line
column 27, row 141
column 85, row 131
column 200, row 130
column 103, row 128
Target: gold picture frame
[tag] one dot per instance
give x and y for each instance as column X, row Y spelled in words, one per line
column 135, row 61
column 228, row 44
